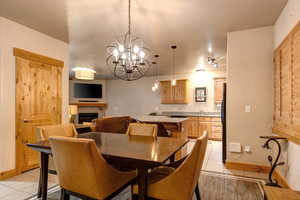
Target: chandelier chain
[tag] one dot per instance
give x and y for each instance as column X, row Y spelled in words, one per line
column 129, row 17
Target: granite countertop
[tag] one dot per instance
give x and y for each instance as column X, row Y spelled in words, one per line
column 187, row 114
column 162, row 119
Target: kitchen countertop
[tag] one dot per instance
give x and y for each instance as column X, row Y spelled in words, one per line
column 161, row 119
column 187, row 114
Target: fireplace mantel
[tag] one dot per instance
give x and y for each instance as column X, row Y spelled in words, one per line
column 90, row 104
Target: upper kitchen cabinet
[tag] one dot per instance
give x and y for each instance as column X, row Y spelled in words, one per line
column 177, row 94
column 218, row 84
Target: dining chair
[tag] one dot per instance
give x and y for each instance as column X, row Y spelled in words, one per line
column 44, row 132
column 179, row 182
column 142, row 129
column 86, row 174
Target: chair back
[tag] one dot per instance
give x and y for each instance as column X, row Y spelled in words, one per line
column 184, row 179
column 45, row 132
column 113, row 124
column 142, row 129
column 83, row 170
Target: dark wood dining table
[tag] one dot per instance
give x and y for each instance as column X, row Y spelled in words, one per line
column 135, row 152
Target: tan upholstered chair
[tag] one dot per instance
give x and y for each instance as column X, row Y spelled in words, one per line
column 44, row 132
column 142, row 129
column 181, row 182
column 86, row 173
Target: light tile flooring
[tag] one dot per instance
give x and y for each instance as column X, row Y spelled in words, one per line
column 25, row 185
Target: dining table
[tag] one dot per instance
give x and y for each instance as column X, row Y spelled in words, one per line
column 140, row 153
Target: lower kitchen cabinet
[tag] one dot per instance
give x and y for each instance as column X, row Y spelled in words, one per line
column 194, row 127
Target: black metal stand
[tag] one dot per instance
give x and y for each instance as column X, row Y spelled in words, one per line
column 273, row 182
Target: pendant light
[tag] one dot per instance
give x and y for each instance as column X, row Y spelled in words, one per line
column 154, row 88
column 173, row 82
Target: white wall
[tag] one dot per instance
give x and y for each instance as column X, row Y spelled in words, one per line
column 289, row 17
column 16, row 35
column 250, row 70
column 136, row 97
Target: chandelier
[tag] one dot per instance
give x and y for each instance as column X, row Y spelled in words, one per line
column 128, row 55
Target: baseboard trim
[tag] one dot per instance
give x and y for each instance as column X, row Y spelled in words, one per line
column 247, row 167
column 8, row 174
column 257, row 168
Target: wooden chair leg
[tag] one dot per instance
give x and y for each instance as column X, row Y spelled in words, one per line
column 64, row 195
column 197, row 192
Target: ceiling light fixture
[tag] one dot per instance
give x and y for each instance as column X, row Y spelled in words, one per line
column 155, row 74
column 173, row 82
column 212, row 61
column 84, row 73
column 127, row 57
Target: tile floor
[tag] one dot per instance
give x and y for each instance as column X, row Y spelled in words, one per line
column 25, row 185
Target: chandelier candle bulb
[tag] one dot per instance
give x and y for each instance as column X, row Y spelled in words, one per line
column 136, row 49
column 121, row 48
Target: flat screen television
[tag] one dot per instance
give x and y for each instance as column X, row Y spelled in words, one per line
column 83, row 90
column 87, row 91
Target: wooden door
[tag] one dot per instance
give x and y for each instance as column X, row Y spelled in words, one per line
column 166, row 92
column 180, row 92
column 218, row 85
column 38, row 102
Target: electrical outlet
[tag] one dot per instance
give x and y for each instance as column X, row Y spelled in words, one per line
column 247, row 149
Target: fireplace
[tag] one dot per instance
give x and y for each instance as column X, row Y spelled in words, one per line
column 87, row 117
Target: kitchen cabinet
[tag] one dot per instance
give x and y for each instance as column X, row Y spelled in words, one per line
column 195, row 126
column 177, row 94
column 287, row 87
column 218, row 89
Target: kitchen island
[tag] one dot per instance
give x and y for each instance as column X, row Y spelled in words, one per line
column 197, row 122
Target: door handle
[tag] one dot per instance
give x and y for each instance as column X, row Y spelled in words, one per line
column 27, row 120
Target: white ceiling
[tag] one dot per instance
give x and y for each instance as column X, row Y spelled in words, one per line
column 193, row 25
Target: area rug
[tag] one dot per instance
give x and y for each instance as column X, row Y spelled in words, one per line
column 212, row 187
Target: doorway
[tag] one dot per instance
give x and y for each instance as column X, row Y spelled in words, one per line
column 38, row 102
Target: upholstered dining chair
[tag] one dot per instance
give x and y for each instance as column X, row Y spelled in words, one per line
column 44, row 132
column 142, row 129
column 86, row 174
column 182, row 181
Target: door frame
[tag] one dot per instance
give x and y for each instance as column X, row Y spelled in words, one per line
column 36, row 58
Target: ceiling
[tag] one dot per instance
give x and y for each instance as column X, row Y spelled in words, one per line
column 194, row 25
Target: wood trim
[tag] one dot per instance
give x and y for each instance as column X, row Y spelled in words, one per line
column 8, row 174
column 281, row 180
column 289, row 133
column 257, row 168
column 247, row 167
column 100, row 105
column 37, row 57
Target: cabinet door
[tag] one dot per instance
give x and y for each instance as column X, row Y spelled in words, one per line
column 218, row 83
column 180, row 95
column 166, row 92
